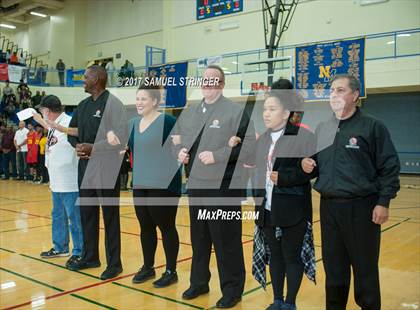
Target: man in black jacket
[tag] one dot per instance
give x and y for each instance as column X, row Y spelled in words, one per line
column 204, row 130
column 358, row 175
column 98, row 169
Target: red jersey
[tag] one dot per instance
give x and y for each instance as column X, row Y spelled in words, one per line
column 33, row 145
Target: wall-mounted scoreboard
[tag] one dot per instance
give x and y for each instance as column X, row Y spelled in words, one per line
column 213, row 8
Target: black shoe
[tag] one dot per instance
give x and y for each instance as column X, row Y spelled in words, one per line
column 111, row 272
column 71, row 259
column 80, row 263
column 144, row 274
column 287, row 306
column 194, row 292
column 168, row 277
column 227, row 302
column 53, row 253
column 275, row 306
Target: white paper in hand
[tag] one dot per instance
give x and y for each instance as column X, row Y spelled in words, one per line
column 25, row 114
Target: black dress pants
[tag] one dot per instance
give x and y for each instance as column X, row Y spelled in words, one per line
column 350, row 239
column 108, row 200
column 225, row 236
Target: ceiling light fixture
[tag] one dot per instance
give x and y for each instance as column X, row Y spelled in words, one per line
column 7, row 26
column 38, row 14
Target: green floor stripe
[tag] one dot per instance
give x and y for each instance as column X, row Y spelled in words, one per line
column 125, row 286
column 57, row 289
column 93, row 302
column 392, row 226
column 255, row 289
column 57, row 265
column 10, row 251
column 258, row 287
column 32, row 280
column 159, row 296
column 318, row 260
column 18, row 229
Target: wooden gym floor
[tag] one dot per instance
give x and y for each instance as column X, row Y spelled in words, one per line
column 30, row 282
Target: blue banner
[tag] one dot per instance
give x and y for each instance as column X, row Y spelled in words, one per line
column 317, row 64
column 173, row 78
column 74, row 77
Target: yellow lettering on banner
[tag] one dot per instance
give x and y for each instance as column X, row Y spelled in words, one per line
column 324, row 71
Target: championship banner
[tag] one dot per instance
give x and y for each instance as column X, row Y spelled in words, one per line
column 172, row 78
column 317, row 64
column 74, row 77
column 13, row 73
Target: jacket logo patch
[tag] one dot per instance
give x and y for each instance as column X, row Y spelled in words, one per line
column 215, row 124
column 97, row 114
column 352, row 144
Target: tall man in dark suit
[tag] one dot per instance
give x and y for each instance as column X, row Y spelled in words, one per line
column 99, row 164
column 204, row 130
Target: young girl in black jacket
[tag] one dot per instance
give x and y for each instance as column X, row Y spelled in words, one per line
column 285, row 214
